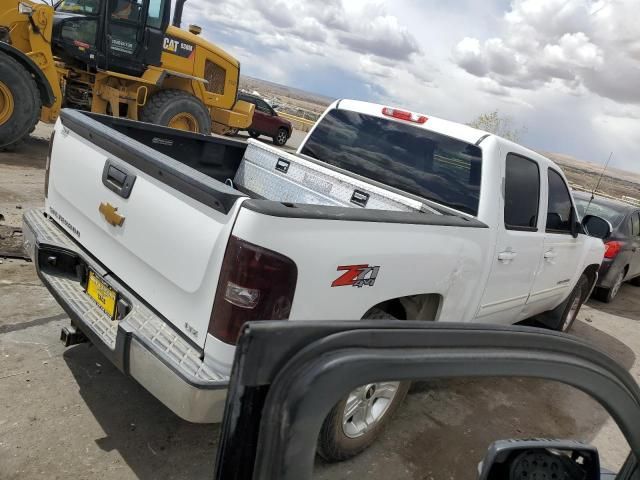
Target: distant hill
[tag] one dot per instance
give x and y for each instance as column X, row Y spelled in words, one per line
column 311, row 101
column 615, row 182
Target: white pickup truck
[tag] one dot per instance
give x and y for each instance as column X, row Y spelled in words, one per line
column 161, row 244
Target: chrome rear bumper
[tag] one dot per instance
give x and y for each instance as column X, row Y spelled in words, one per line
column 142, row 344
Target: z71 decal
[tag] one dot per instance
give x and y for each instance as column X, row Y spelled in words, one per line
column 356, row 276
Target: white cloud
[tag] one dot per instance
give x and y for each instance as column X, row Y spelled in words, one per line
column 566, row 69
column 578, row 41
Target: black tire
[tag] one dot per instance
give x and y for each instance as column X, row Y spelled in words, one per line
column 253, row 134
column 570, row 308
column 165, row 105
column 635, row 282
column 607, row 295
column 232, row 132
column 25, row 99
column 333, row 443
column 282, row 137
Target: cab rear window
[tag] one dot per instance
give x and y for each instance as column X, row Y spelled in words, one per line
column 414, row 160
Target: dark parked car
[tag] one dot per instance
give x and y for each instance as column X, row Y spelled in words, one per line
column 622, row 257
column 267, row 122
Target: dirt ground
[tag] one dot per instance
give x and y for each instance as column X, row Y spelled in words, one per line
column 68, row 413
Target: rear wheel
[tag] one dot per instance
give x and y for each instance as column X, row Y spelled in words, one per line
column 19, row 103
column 635, row 282
column 253, row 134
column 359, row 418
column 573, row 304
column 607, row 295
column 281, row 137
column 179, row 110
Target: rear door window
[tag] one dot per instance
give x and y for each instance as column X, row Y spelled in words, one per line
column 635, row 225
column 408, row 158
column 522, row 193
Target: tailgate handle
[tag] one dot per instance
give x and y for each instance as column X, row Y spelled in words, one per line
column 118, row 179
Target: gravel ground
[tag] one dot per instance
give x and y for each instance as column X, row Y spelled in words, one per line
column 68, row 413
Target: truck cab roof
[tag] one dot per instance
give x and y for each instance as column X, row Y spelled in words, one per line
column 449, row 128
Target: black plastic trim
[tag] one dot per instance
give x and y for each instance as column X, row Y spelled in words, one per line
column 171, row 172
column 346, row 214
column 296, row 358
column 482, row 139
column 46, row 92
column 122, row 186
column 517, row 228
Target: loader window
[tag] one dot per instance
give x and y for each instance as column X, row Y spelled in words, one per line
column 79, row 6
column 126, row 10
column 400, row 155
column 156, row 9
column 216, row 76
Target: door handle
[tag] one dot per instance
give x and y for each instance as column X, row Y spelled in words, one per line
column 507, row 256
column 550, row 255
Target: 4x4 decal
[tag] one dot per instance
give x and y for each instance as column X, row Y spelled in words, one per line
column 356, row 276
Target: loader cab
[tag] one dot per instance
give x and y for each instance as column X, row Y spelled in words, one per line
column 124, row 36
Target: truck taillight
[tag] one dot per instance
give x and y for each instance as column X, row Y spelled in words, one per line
column 255, row 284
column 612, row 249
column 48, row 166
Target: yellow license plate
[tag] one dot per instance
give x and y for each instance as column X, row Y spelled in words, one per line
column 102, row 294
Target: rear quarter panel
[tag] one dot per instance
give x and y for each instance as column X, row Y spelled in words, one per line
column 412, row 260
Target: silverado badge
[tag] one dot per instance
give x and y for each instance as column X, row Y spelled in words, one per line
column 110, row 213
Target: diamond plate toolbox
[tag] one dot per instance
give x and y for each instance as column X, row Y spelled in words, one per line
column 274, row 174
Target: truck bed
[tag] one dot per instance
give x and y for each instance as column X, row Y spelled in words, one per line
column 262, row 171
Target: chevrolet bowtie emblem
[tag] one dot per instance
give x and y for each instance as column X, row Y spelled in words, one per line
column 110, row 213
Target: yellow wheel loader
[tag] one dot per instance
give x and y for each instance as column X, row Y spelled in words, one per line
column 116, row 57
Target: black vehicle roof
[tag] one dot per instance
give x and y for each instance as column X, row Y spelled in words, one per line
column 250, row 96
column 617, row 205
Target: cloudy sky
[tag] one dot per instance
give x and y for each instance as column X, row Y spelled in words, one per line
column 567, row 70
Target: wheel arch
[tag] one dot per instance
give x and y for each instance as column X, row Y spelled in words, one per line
column 424, row 307
column 44, row 87
column 592, row 275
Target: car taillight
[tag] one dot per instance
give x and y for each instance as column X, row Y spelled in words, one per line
column 48, row 166
column 255, row 284
column 612, row 249
column 406, row 116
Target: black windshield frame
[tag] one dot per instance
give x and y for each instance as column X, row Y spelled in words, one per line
column 407, row 157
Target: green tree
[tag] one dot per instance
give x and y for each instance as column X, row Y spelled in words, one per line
column 504, row 126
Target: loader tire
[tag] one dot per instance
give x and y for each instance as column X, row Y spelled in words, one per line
column 20, row 103
column 177, row 109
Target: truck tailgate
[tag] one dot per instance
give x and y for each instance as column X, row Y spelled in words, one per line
column 175, row 222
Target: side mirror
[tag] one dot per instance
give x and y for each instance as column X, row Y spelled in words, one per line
column 538, row 458
column 596, row 226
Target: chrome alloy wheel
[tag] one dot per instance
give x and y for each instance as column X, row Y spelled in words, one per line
column 366, row 406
